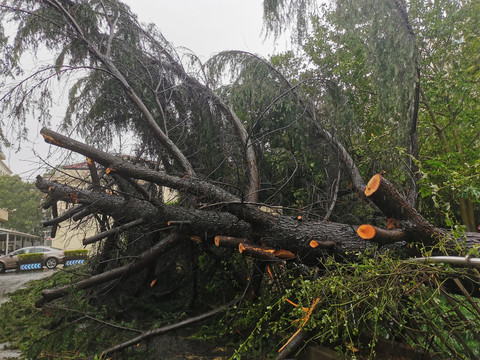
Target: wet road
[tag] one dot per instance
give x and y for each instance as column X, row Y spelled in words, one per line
column 12, row 280
column 9, row 282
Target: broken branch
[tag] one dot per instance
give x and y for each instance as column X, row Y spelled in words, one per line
column 382, row 236
column 141, row 262
column 113, row 231
column 168, row 328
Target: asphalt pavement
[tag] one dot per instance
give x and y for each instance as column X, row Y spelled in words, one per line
column 9, row 282
column 12, row 280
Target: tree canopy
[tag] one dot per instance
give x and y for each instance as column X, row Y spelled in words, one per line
column 22, row 201
column 284, row 213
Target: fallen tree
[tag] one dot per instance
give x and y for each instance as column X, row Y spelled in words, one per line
column 270, row 200
column 241, row 224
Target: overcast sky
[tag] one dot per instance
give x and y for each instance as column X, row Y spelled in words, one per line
column 203, row 26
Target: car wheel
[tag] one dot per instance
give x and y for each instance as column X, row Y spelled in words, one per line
column 2, row 268
column 51, row 263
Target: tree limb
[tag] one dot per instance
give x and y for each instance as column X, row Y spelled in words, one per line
column 168, row 328
column 140, row 263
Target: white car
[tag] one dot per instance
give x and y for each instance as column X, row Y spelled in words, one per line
column 51, row 257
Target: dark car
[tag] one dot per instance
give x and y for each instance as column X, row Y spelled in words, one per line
column 51, row 257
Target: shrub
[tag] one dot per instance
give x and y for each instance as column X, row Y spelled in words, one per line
column 31, row 257
column 80, row 252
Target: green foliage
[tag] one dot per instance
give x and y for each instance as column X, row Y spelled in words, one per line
column 352, row 307
column 373, row 49
column 74, row 329
column 79, row 252
column 30, row 257
column 448, row 122
column 22, row 201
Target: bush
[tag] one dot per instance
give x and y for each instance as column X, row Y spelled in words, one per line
column 80, row 252
column 30, row 257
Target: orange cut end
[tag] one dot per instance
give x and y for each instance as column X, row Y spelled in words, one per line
column 283, row 254
column 269, row 272
column 241, row 248
column 314, row 244
column 216, row 240
column 366, row 232
column 373, row 184
column 196, row 239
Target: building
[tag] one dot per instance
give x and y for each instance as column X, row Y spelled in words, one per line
column 4, row 169
column 70, row 233
column 11, row 240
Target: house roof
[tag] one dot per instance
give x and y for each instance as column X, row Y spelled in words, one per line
column 17, row 233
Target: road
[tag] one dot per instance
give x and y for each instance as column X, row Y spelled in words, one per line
column 9, row 282
column 12, row 280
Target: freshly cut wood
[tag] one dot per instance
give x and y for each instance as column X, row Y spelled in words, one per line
column 395, row 206
column 373, row 184
column 258, row 253
column 283, row 254
column 366, row 232
column 229, row 241
column 379, row 235
column 322, row 244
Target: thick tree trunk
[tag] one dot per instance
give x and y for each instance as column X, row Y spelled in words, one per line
column 242, row 220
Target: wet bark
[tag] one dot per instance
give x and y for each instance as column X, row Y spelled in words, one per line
column 124, row 271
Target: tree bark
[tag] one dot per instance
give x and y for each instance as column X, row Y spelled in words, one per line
column 124, row 271
column 393, row 205
column 191, row 184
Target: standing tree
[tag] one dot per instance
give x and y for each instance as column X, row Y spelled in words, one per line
column 266, row 165
column 22, row 200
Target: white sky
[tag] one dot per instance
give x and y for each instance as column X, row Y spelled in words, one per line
column 203, row 26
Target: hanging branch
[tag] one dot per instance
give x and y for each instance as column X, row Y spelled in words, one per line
column 116, row 73
column 53, row 232
column 336, row 184
column 93, row 174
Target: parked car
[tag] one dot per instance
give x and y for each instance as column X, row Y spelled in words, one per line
column 51, row 257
